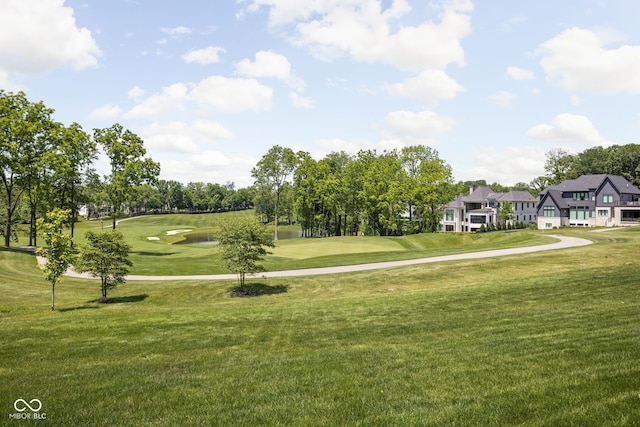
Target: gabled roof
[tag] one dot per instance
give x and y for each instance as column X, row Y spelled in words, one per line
column 517, row 196
column 484, row 193
column 456, row 203
column 593, row 183
column 481, row 194
column 555, row 196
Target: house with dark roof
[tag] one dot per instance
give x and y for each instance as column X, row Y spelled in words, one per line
column 482, row 207
column 589, row 201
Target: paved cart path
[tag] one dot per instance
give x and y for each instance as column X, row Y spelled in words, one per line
column 563, row 243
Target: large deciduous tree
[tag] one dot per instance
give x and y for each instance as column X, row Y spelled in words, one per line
column 242, row 244
column 129, row 168
column 272, row 174
column 106, row 256
column 435, row 189
column 72, row 161
column 24, row 137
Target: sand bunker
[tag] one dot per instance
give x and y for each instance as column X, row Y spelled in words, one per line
column 174, row 232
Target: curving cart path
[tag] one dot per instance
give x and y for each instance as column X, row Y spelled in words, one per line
column 563, row 243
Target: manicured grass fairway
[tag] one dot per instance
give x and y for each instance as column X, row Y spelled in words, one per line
column 162, row 257
column 547, row 339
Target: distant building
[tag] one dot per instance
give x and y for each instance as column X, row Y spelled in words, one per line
column 482, row 207
column 589, row 201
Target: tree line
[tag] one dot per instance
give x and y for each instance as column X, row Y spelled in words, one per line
column 389, row 193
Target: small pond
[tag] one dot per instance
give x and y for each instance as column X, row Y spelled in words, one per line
column 209, row 238
column 198, row 239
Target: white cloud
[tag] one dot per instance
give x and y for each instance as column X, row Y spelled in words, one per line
column 182, row 137
column 37, row 36
column 211, row 166
column 175, row 31
column 222, row 93
column 298, row 100
column 577, row 60
column 172, row 98
column 209, row 55
column 270, row 64
column 510, row 23
column 106, row 112
column 429, row 87
column 503, row 98
column 233, row 94
column 363, row 29
column 135, row 92
column 516, row 73
column 416, row 128
column 569, row 128
column 508, row 165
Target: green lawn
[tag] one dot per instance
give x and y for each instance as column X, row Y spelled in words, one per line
column 543, row 339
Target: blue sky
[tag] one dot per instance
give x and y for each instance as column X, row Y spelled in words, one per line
column 212, row 85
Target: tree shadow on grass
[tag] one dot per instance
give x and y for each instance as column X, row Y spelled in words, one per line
column 153, row 253
column 256, row 290
column 84, row 307
column 125, row 299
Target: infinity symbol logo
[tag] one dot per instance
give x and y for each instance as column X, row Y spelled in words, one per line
column 25, row 405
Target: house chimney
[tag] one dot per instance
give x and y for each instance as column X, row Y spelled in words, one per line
column 471, row 190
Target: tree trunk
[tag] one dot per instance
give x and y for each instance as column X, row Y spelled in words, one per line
column 74, row 211
column 7, row 229
column 32, row 226
column 276, row 216
column 53, row 296
column 104, row 289
column 241, row 280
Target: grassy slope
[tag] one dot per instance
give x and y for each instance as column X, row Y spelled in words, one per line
column 541, row 339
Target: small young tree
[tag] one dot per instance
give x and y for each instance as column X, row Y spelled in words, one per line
column 242, row 244
column 107, row 257
column 59, row 252
column 507, row 214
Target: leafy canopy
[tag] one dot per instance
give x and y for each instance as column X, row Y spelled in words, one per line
column 59, row 253
column 242, row 245
column 106, row 256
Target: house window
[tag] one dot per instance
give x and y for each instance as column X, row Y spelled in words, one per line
column 603, row 212
column 581, row 196
column 579, row 212
column 607, row 198
column 549, row 211
column 449, row 215
column 478, row 219
column 548, row 225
